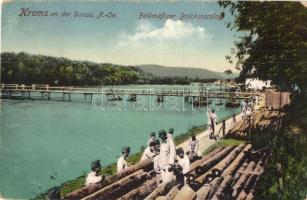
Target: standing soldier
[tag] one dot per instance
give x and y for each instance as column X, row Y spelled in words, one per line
column 248, row 113
column 149, row 152
column 122, row 161
column 156, row 158
column 166, row 161
column 244, row 108
column 170, row 134
column 184, row 163
column 172, row 144
column 194, row 148
column 94, row 176
column 212, row 119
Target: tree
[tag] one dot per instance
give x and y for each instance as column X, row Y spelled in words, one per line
column 273, row 40
column 228, row 72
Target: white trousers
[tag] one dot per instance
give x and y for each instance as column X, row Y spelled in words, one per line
column 166, row 176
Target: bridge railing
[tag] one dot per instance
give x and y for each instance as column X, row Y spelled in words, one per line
column 120, row 91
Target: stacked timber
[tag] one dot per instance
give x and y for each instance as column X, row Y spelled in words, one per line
column 231, row 172
column 146, row 165
column 259, row 121
column 234, row 177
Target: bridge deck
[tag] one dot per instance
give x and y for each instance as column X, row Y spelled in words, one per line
column 46, row 89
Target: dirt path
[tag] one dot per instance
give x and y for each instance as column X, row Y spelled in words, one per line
column 203, row 138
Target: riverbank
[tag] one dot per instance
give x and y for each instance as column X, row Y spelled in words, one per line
column 110, row 169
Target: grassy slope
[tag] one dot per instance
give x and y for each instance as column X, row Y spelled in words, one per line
column 290, row 151
column 223, row 143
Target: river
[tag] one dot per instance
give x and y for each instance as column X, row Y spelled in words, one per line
column 44, row 143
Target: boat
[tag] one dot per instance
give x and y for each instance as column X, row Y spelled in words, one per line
column 132, row 97
column 219, row 103
column 201, row 101
column 114, row 98
column 232, row 104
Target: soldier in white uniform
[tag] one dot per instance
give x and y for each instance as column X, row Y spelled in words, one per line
column 94, row 176
column 172, row 144
column 166, row 158
column 149, row 152
column 156, row 158
column 248, row 113
column 122, row 161
column 152, row 138
column 194, row 148
column 170, row 134
column 244, row 108
column 184, row 163
column 212, row 121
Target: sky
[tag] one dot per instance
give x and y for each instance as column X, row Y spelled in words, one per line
column 120, row 38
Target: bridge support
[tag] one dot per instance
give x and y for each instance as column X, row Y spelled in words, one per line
column 69, row 94
column 160, row 98
column 90, row 94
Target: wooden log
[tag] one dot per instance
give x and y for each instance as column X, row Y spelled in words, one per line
column 206, row 177
column 259, row 170
column 197, row 163
column 207, row 190
column 203, row 192
column 204, row 158
column 145, row 190
column 229, row 172
column 245, row 189
column 242, row 168
column 172, row 193
column 185, row 193
column 118, row 188
column 140, row 192
column 87, row 190
column 160, row 190
column 161, row 198
column 238, row 185
column 221, row 166
column 211, row 161
column 253, row 178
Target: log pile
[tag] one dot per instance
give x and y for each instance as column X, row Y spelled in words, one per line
column 231, row 172
column 260, row 121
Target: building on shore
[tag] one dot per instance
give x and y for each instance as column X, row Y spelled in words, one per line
column 256, row 84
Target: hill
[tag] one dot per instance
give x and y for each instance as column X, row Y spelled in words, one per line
column 192, row 73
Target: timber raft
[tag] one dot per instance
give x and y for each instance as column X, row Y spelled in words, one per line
column 46, row 92
column 230, row 172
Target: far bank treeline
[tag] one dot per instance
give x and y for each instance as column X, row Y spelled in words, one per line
column 23, row 68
